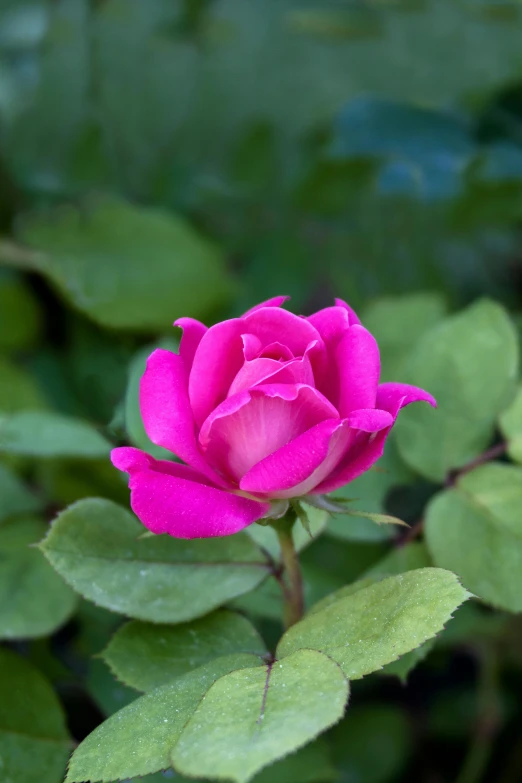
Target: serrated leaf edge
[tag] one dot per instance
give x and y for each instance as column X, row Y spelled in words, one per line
column 467, row 595
column 279, row 758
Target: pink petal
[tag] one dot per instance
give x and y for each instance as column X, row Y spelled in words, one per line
column 271, row 325
column 366, row 428
column 276, row 351
column 218, row 359
column 360, row 458
column 269, row 370
column 166, row 411
column 127, row 458
column 131, row 460
column 296, row 371
column 352, row 314
column 193, row 331
column 359, row 365
column 295, row 469
column 370, row 420
column 251, row 347
column 276, row 301
column 394, row 396
column 364, row 453
column 252, row 373
column 168, row 499
column 251, row 425
column 331, row 323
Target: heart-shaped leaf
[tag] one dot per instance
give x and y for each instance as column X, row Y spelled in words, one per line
column 254, row 716
column 138, row 739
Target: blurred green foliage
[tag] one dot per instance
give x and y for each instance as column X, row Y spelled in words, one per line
column 167, row 158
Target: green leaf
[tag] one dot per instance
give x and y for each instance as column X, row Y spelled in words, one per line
column 137, row 740
column 18, row 389
column 378, row 519
column 475, row 529
column 34, row 600
column 397, row 323
column 94, row 545
column 511, row 426
column 377, row 624
column 370, row 491
column 372, row 744
column 146, row 656
column 34, row 743
column 127, row 267
column 45, row 434
column 397, row 561
column 133, row 421
column 311, row 764
column 20, row 318
column 254, row 716
column 15, row 497
column 469, row 363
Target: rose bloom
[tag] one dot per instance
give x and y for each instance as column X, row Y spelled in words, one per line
column 263, row 408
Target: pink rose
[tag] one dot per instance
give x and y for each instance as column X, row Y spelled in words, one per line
column 264, row 407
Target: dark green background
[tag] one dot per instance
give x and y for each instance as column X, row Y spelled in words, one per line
column 161, row 158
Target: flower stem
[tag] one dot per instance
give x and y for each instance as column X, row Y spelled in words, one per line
column 293, row 595
column 490, row 454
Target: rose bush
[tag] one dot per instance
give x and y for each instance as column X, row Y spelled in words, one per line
column 262, row 408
